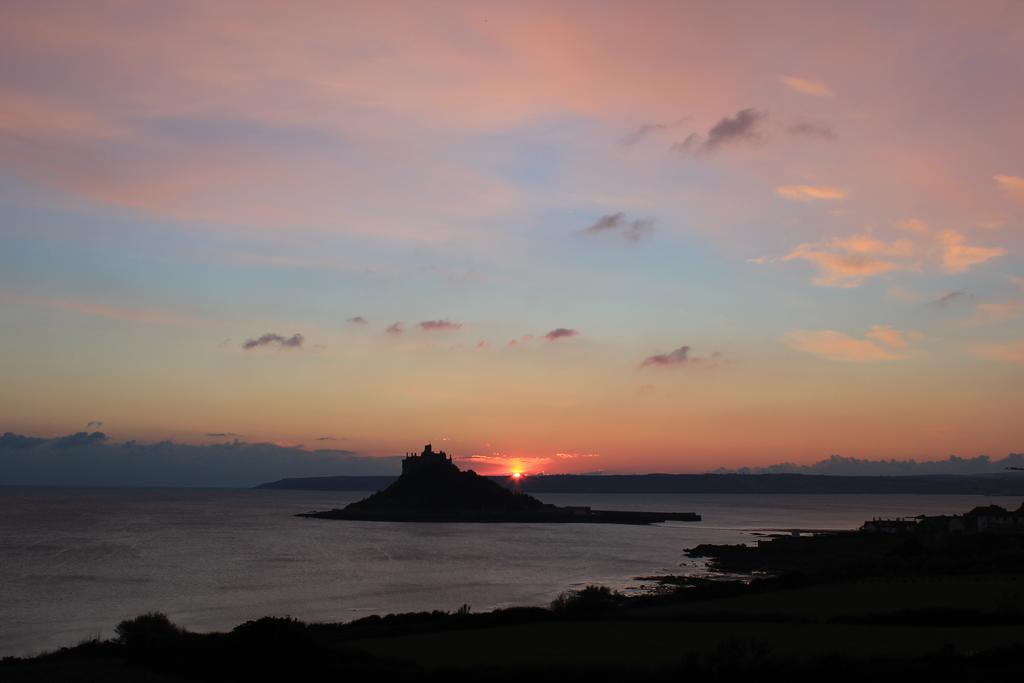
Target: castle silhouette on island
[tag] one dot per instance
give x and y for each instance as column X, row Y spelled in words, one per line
column 433, row 489
column 426, row 460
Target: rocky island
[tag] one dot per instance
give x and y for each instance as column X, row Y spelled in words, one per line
column 433, row 489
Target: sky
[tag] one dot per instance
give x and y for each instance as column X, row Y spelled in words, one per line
column 558, row 237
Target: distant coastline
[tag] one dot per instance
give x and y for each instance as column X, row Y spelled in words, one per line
column 939, row 484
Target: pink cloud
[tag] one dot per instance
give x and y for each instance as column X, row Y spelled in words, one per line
column 438, row 325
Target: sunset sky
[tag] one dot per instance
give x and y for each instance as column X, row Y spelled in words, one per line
column 551, row 236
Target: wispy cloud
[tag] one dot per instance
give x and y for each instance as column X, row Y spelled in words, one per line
column 560, row 333
column 880, row 343
column 806, row 86
column 887, row 335
column 647, row 129
column 394, row 328
column 739, row 128
column 438, row 325
column 574, row 456
column 680, row 356
column 94, row 424
column 148, row 316
column 617, row 223
column 957, row 256
column 813, row 129
column 358, row 320
column 1011, row 185
column 807, row 193
column 273, row 339
column 950, row 298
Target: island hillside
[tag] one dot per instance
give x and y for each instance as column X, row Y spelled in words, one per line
column 433, row 489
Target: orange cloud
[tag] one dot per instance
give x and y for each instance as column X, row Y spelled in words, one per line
column 958, row 257
column 881, row 344
column 847, row 262
column 806, row 86
column 866, row 244
column 807, row 193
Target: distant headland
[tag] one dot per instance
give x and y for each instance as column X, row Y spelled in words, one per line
column 433, row 489
column 1007, row 484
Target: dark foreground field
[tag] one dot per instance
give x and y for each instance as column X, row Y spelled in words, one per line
column 966, row 627
column 928, row 599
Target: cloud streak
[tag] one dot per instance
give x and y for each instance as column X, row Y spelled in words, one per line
column 617, row 223
column 880, row 343
column 438, row 325
column 677, row 357
column 647, row 129
column 813, row 129
column 806, row 86
column 146, row 316
column 273, row 339
column 808, row 193
column 950, row 298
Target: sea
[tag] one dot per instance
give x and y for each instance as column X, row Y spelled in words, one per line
column 74, row 562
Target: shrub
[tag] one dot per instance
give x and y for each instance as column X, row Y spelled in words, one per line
column 591, row 601
column 147, row 631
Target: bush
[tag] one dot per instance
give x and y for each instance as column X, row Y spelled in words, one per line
column 589, row 602
column 147, row 631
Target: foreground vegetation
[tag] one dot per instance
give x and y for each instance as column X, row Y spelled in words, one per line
column 967, row 627
column 908, row 606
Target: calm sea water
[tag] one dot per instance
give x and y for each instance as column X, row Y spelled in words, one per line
column 74, row 562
